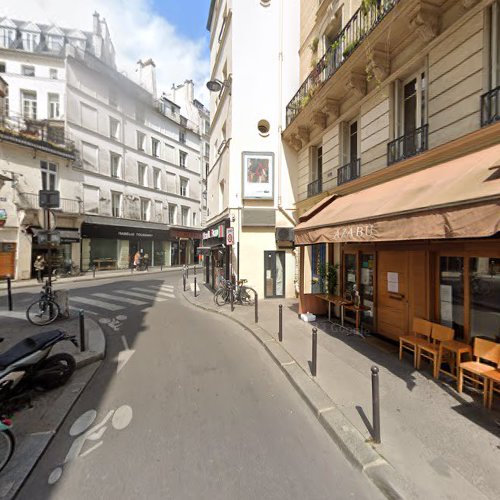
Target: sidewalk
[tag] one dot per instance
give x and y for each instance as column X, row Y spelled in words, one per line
column 89, row 276
column 34, row 427
column 436, row 443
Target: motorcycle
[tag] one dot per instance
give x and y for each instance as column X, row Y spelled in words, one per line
column 28, row 365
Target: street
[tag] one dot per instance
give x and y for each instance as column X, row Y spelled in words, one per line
column 185, row 405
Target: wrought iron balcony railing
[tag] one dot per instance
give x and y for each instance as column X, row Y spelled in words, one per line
column 314, row 187
column 348, row 172
column 45, row 135
column 490, row 107
column 30, row 201
column 408, row 145
column 345, row 43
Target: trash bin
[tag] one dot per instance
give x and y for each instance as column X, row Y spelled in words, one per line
column 62, row 300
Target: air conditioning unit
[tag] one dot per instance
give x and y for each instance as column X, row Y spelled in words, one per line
column 284, row 234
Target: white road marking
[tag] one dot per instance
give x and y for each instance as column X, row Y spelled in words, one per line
column 122, row 417
column 97, row 303
column 119, row 299
column 13, row 314
column 159, row 292
column 124, row 356
column 73, row 308
column 152, row 297
column 83, row 422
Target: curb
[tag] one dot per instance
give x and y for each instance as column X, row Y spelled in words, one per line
column 96, row 342
column 345, row 435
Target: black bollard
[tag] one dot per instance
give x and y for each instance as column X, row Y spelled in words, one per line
column 194, row 269
column 161, row 266
column 314, row 360
column 231, row 297
column 93, row 271
column 376, row 404
column 256, row 307
column 184, row 281
column 280, row 323
column 195, row 286
column 9, row 292
column 83, row 347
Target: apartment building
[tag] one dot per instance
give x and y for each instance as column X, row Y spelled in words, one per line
column 249, row 188
column 397, row 141
column 137, row 167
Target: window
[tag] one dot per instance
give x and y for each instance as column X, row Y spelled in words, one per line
column 207, row 149
column 116, row 204
column 185, row 216
column 54, row 108
column 155, row 147
column 495, row 45
column 143, row 174
column 207, row 170
column 53, row 74
column 49, row 175
column 207, row 127
column 91, row 199
column 28, row 99
column 182, row 137
column 116, row 165
column 114, row 128
column 411, row 104
column 30, row 41
column 141, row 141
column 221, row 196
column 88, row 116
column 156, row 178
column 184, row 187
column 159, row 211
column 139, row 113
column 316, row 185
column 112, row 97
column 90, row 157
column 6, row 105
column 172, row 212
column 194, row 218
column 451, row 293
column 145, row 209
column 182, row 159
column 2, row 67
column 7, row 37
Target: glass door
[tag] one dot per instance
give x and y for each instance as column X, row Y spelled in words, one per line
column 274, row 274
column 366, row 286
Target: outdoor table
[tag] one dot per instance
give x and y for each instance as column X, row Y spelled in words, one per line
column 336, row 300
column 456, row 348
column 357, row 310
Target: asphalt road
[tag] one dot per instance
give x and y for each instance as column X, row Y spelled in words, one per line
column 197, row 410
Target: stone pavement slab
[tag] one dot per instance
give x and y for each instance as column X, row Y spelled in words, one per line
column 436, row 443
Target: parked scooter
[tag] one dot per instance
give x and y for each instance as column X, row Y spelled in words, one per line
column 28, row 364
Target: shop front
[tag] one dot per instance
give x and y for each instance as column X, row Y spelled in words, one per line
column 423, row 245
column 109, row 247
column 183, row 247
column 216, row 254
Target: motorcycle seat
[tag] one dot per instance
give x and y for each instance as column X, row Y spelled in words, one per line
column 28, row 346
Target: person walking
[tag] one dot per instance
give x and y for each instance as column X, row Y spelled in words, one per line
column 146, row 261
column 137, row 259
column 40, row 266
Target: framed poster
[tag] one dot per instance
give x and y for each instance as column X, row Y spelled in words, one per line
column 258, row 176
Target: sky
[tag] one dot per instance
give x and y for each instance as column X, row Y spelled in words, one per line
column 172, row 32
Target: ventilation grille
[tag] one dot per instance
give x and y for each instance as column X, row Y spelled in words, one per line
column 263, row 217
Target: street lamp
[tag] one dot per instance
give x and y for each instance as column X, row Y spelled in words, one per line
column 216, row 85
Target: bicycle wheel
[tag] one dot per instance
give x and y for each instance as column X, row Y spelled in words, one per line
column 222, row 296
column 247, row 296
column 42, row 312
column 7, row 445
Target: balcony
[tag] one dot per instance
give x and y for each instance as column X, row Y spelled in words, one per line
column 30, row 201
column 44, row 135
column 408, row 145
column 355, row 31
column 348, row 172
column 490, row 110
column 314, row 187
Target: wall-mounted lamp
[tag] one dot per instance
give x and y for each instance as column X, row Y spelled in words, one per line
column 217, row 86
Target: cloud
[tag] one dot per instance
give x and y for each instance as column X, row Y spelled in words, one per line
column 137, row 33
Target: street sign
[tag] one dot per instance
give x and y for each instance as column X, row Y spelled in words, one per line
column 49, row 237
column 230, row 236
column 48, row 199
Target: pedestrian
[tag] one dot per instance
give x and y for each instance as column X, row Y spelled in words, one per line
column 146, row 261
column 39, row 266
column 137, row 259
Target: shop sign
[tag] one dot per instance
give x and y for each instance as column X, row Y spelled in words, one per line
column 3, row 217
column 350, row 233
column 217, row 232
column 179, row 233
column 134, row 234
column 230, row 236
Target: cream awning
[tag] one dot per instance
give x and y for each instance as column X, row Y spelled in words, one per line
column 456, row 199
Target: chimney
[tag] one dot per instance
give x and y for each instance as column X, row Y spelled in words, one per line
column 189, row 86
column 97, row 24
column 147, row 75
column 96, row 36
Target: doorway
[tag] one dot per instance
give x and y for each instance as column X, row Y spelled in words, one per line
column 274, row 274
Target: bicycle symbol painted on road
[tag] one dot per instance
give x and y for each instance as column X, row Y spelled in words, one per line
column 114, row 323
column 120, row 419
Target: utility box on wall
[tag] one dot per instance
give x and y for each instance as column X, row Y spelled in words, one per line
column 285, row 237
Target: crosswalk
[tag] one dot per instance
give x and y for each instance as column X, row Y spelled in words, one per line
column 118, row 299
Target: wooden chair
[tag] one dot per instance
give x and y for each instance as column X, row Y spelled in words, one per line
column 493, row 378
column 430, row 350
column 476, row 371
column 421, row 332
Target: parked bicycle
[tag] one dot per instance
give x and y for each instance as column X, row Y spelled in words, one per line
column 66, row 271
column 243, row 294
column 7, row 441
column 45, row 310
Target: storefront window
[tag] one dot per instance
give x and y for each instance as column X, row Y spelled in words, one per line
column 103, row 253
column 366, row 286
column 350, row 274
column 451, row 293
column 174, row 253
column 484, row 282
column 318, row 268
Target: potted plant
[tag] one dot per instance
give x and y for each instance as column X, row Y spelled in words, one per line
column 328, row 276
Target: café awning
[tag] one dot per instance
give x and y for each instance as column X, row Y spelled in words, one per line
column 456, row 199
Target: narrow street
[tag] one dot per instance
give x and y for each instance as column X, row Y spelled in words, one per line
column 196, row 410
